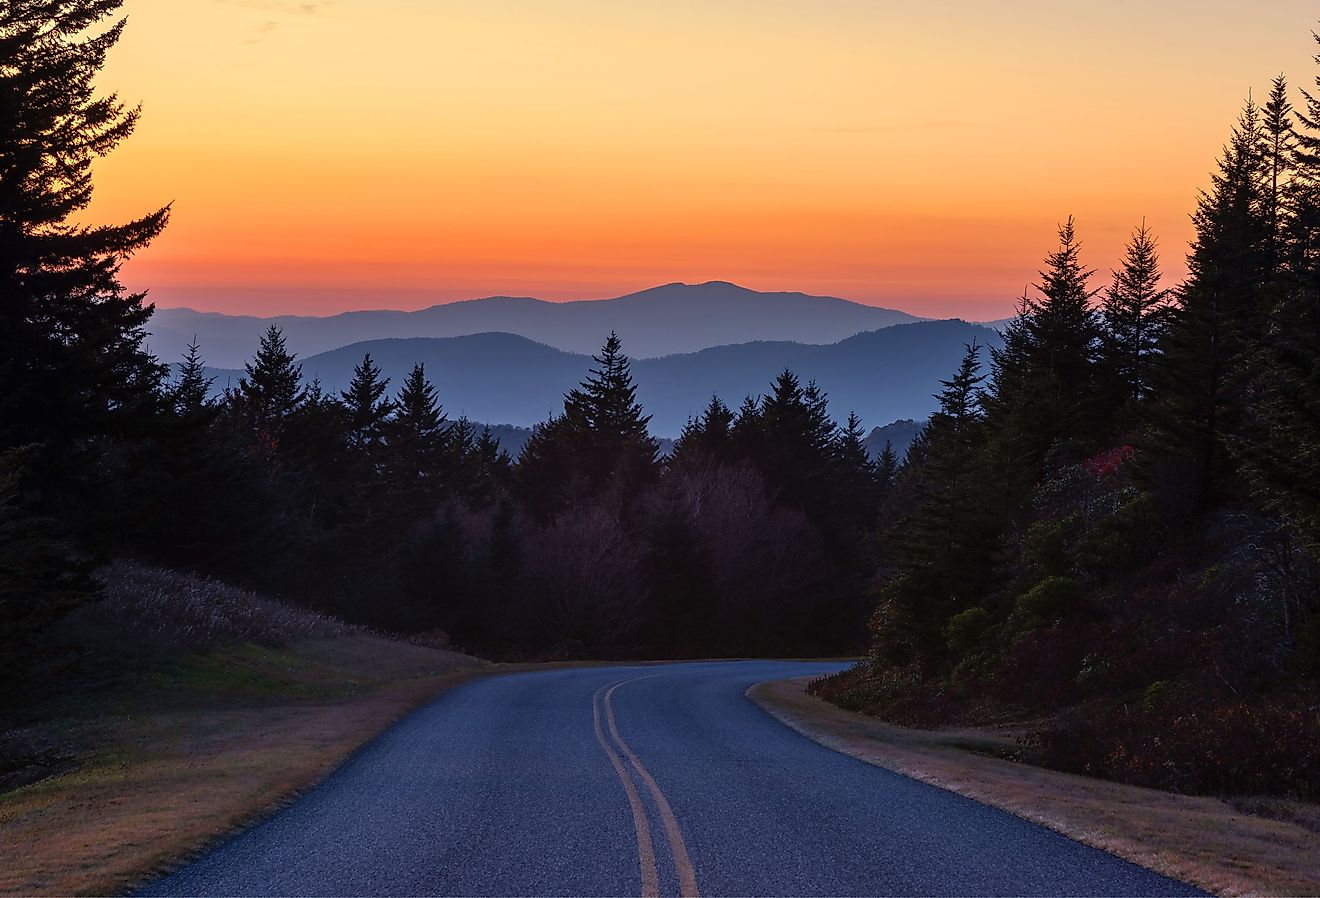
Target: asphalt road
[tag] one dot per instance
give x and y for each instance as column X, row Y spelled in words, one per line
column 637, row 780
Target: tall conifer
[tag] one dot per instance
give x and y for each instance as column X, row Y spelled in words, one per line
column 72, row 358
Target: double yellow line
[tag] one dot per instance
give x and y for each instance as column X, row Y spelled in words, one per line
column 687, row 880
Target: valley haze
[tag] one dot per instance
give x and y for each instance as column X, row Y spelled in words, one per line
column 663, row 320
column 510, row 360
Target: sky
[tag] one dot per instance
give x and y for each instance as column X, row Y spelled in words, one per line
column 323, row 156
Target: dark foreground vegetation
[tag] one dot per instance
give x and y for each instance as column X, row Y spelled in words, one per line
column 1111, row 525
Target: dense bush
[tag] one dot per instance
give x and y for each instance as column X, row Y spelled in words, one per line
column 172, row 610
column 1243, row 748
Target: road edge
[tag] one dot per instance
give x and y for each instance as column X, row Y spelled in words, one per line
column 1197, row 840
column 423, row 693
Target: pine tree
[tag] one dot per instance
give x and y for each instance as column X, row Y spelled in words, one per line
column 1134, row 309
column 707, row 439
column 72, row 360
column 1042, row 404
column 190, row 395
column 746, row 436
column 1063, row 335
column 605, row 407
column 415, row 434
column 1218, row 318
column 1278, row 448
column 272, row 388
column 1280, row 150
column 854, row 483
column 366, row 406
column 797, row 442
column 886, row 471
column 944, row 547
column 494, row 466
column 600, row 443
column 851, row 446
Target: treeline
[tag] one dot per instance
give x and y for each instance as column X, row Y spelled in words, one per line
column 1112, row 523
column 372, row 505
column 1115, row 519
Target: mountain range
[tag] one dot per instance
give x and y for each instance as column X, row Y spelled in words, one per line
column 674, row 318
column 883, row 375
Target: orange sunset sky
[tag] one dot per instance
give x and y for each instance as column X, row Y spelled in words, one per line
column 396, row 153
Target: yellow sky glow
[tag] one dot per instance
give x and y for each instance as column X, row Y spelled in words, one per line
column 895, row 153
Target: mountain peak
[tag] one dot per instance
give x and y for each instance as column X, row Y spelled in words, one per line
column 664, row 320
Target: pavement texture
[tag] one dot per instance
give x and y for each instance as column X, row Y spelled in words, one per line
column 647, row 780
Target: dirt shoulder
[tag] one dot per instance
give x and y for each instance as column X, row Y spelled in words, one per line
column 158, row 768
column 1200, row 840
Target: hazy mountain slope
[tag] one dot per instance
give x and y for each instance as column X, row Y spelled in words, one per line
column 883, row 375
column 660, row 321
column 487, row 377
column 898, row 434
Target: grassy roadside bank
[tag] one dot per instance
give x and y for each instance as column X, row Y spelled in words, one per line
column 1208, row 842
column 210, row 710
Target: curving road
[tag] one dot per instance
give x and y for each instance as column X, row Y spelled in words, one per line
column 652, row 780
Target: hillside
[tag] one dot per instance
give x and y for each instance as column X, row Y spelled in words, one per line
column 883, row 375
column 673, row 318
column 180, row 707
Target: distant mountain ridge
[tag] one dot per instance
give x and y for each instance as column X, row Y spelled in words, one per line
column 898, row 434
column 673, row 318
column 883, row 375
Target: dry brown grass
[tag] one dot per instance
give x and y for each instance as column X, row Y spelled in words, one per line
column 173, row 610
column 155, row 786
column 199, row 709
column 1204, row 841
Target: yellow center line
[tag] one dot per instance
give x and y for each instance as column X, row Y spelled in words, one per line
column 645, row 849
column 687, row 879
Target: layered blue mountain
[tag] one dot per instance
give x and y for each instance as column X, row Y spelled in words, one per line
column 675, row 318
column 883, row 375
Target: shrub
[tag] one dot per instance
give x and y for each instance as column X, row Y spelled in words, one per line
column 965, row 629
column 174, row 610
column 1237, row 748
column 1048, row 600
column 898, row 695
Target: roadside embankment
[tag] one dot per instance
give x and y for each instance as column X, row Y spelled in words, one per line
column 1239, row 847
column 195, row 709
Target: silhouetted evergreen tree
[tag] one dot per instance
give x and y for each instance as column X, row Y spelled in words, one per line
column 855, row 485
column 190, row 394
column 271, row 390
column 886, row 471
column 605, row 408
column 746, row 435
column 492, row 468
column 797, row 443
column 366, row 407
column 1133, row 312
column 416, row 433
column 708, row 438
column 1063, row 335
column 599, row 443
column 944, row 547
column 1279, row 447
column 1279, row 149
column 1219, row 316
column 79, row 392
column 72, row 361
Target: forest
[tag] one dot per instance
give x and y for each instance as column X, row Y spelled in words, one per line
column 1111, row 526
